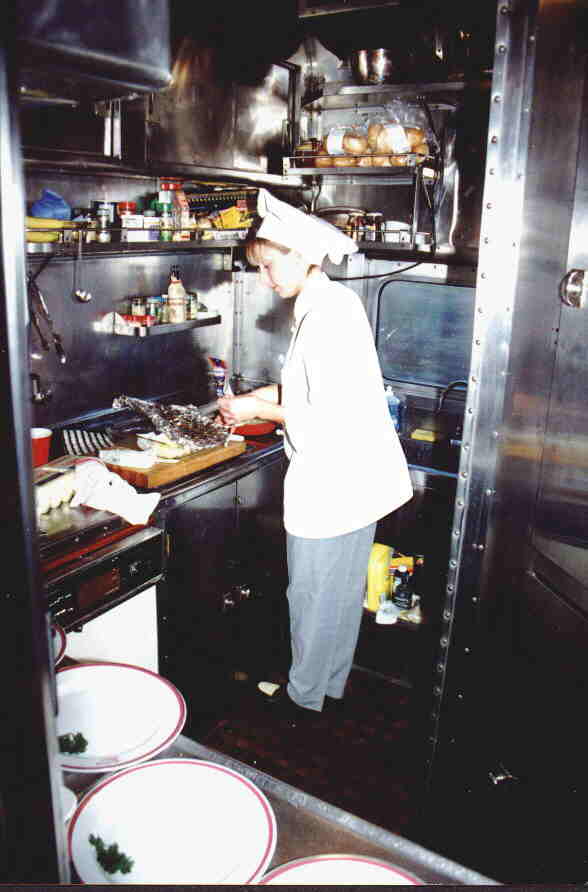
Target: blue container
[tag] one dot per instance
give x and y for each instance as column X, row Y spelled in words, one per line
column 395, row 408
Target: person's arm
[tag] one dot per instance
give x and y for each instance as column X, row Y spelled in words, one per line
column 260, row 403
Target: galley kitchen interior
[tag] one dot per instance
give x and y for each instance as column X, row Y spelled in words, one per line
column 420, row 167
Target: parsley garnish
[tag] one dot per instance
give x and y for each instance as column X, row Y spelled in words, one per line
column 72, row 743
column 110, row 858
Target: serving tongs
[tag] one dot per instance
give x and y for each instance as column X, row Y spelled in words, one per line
column 38, row 310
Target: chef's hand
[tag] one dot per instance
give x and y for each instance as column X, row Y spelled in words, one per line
column 237, row 409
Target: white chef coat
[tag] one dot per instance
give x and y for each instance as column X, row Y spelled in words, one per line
column 347, row 468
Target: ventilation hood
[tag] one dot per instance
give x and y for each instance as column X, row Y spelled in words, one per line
column 81, row 49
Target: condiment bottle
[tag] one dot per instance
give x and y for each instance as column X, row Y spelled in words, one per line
column 138, row 306
column 395, row 408
column 176, row 294
column 192, row 305
column 402, row 597
column 167, row 222
column 103, row 215
column 164, row 316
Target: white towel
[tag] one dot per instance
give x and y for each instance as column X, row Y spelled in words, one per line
column 99, row 488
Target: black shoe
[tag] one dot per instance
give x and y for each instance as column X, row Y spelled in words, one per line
column 334, row 705
column 281, row 704
column 273, row 693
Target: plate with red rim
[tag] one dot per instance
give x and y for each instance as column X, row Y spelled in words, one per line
column 127, row 714
column 59, row 642
column 180, row 821
column 339, row 870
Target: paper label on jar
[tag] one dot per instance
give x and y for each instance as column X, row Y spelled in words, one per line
column 398, row 140
column 334, row 142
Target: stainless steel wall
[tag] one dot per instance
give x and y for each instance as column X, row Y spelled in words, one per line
column 205, row 119
column 101, row 366
column 491, row 657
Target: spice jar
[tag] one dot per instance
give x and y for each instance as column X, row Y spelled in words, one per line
column 167, row 222
column 138, row 306
column 164, row 315
column 373, row 227
column 103, row 215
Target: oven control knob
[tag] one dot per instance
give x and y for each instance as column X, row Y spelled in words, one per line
column 134, row 568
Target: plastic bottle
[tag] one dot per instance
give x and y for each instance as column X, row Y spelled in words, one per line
column 403, row 590
column 176, row 295
column 395, row 407
column 378, row 576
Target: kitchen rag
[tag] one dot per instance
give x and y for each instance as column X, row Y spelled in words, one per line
column 312, row 237
column 97, row 487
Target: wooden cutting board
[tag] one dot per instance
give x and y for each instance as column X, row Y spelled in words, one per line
column 166, row 471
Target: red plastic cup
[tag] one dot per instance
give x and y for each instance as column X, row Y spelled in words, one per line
column 41, row 440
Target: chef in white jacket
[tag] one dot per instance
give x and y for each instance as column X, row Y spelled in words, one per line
column 346, row 466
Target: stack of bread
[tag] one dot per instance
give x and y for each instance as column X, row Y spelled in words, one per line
column 381, row 144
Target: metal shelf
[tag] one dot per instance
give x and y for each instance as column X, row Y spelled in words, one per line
column 143, row 331
column 71, row 250
column 62, row 161
column 367, row 177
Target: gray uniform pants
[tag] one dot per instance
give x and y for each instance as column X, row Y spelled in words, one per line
column 325, row 594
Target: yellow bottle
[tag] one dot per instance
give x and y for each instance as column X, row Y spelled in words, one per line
column 378, row 576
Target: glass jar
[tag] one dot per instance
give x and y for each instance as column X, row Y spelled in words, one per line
column 152, row 224
column 103, row 216
column 167, row 222
column 153, row 307
column 164, row 316
column 373, row 227
column 138, row 307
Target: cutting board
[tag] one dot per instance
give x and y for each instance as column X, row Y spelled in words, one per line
column 166, row 471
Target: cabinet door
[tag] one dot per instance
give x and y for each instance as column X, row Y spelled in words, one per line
column 262, row 539
column 202, row 539
column 264, row 620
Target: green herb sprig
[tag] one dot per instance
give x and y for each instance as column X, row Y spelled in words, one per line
column 72, row 743
column 110, row 859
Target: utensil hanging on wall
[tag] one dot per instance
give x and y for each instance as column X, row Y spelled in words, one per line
column 79, row 293
column 39, row 310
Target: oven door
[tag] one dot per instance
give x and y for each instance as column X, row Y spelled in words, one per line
column 105, row 579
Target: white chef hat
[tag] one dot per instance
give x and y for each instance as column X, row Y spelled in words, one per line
column 312, row 237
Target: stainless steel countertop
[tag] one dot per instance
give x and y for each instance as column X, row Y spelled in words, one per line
column 309, row 826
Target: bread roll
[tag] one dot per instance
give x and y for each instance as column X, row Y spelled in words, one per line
column 372, row 135
column 365, row 161
column 355, row 143
column 391, row 139
column 323, row 161
column 415, row 137
column 381, row 160
column 344, row 161
column 399, row 161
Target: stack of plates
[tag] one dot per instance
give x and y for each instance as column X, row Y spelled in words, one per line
column 127, row 714
column 59, row 641
column 338, row 870
column 179, row 821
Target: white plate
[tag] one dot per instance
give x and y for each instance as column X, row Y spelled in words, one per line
column 126, row 713
column 180, row 821
column 59, row 639
column 68, row 802
column 338, row 870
